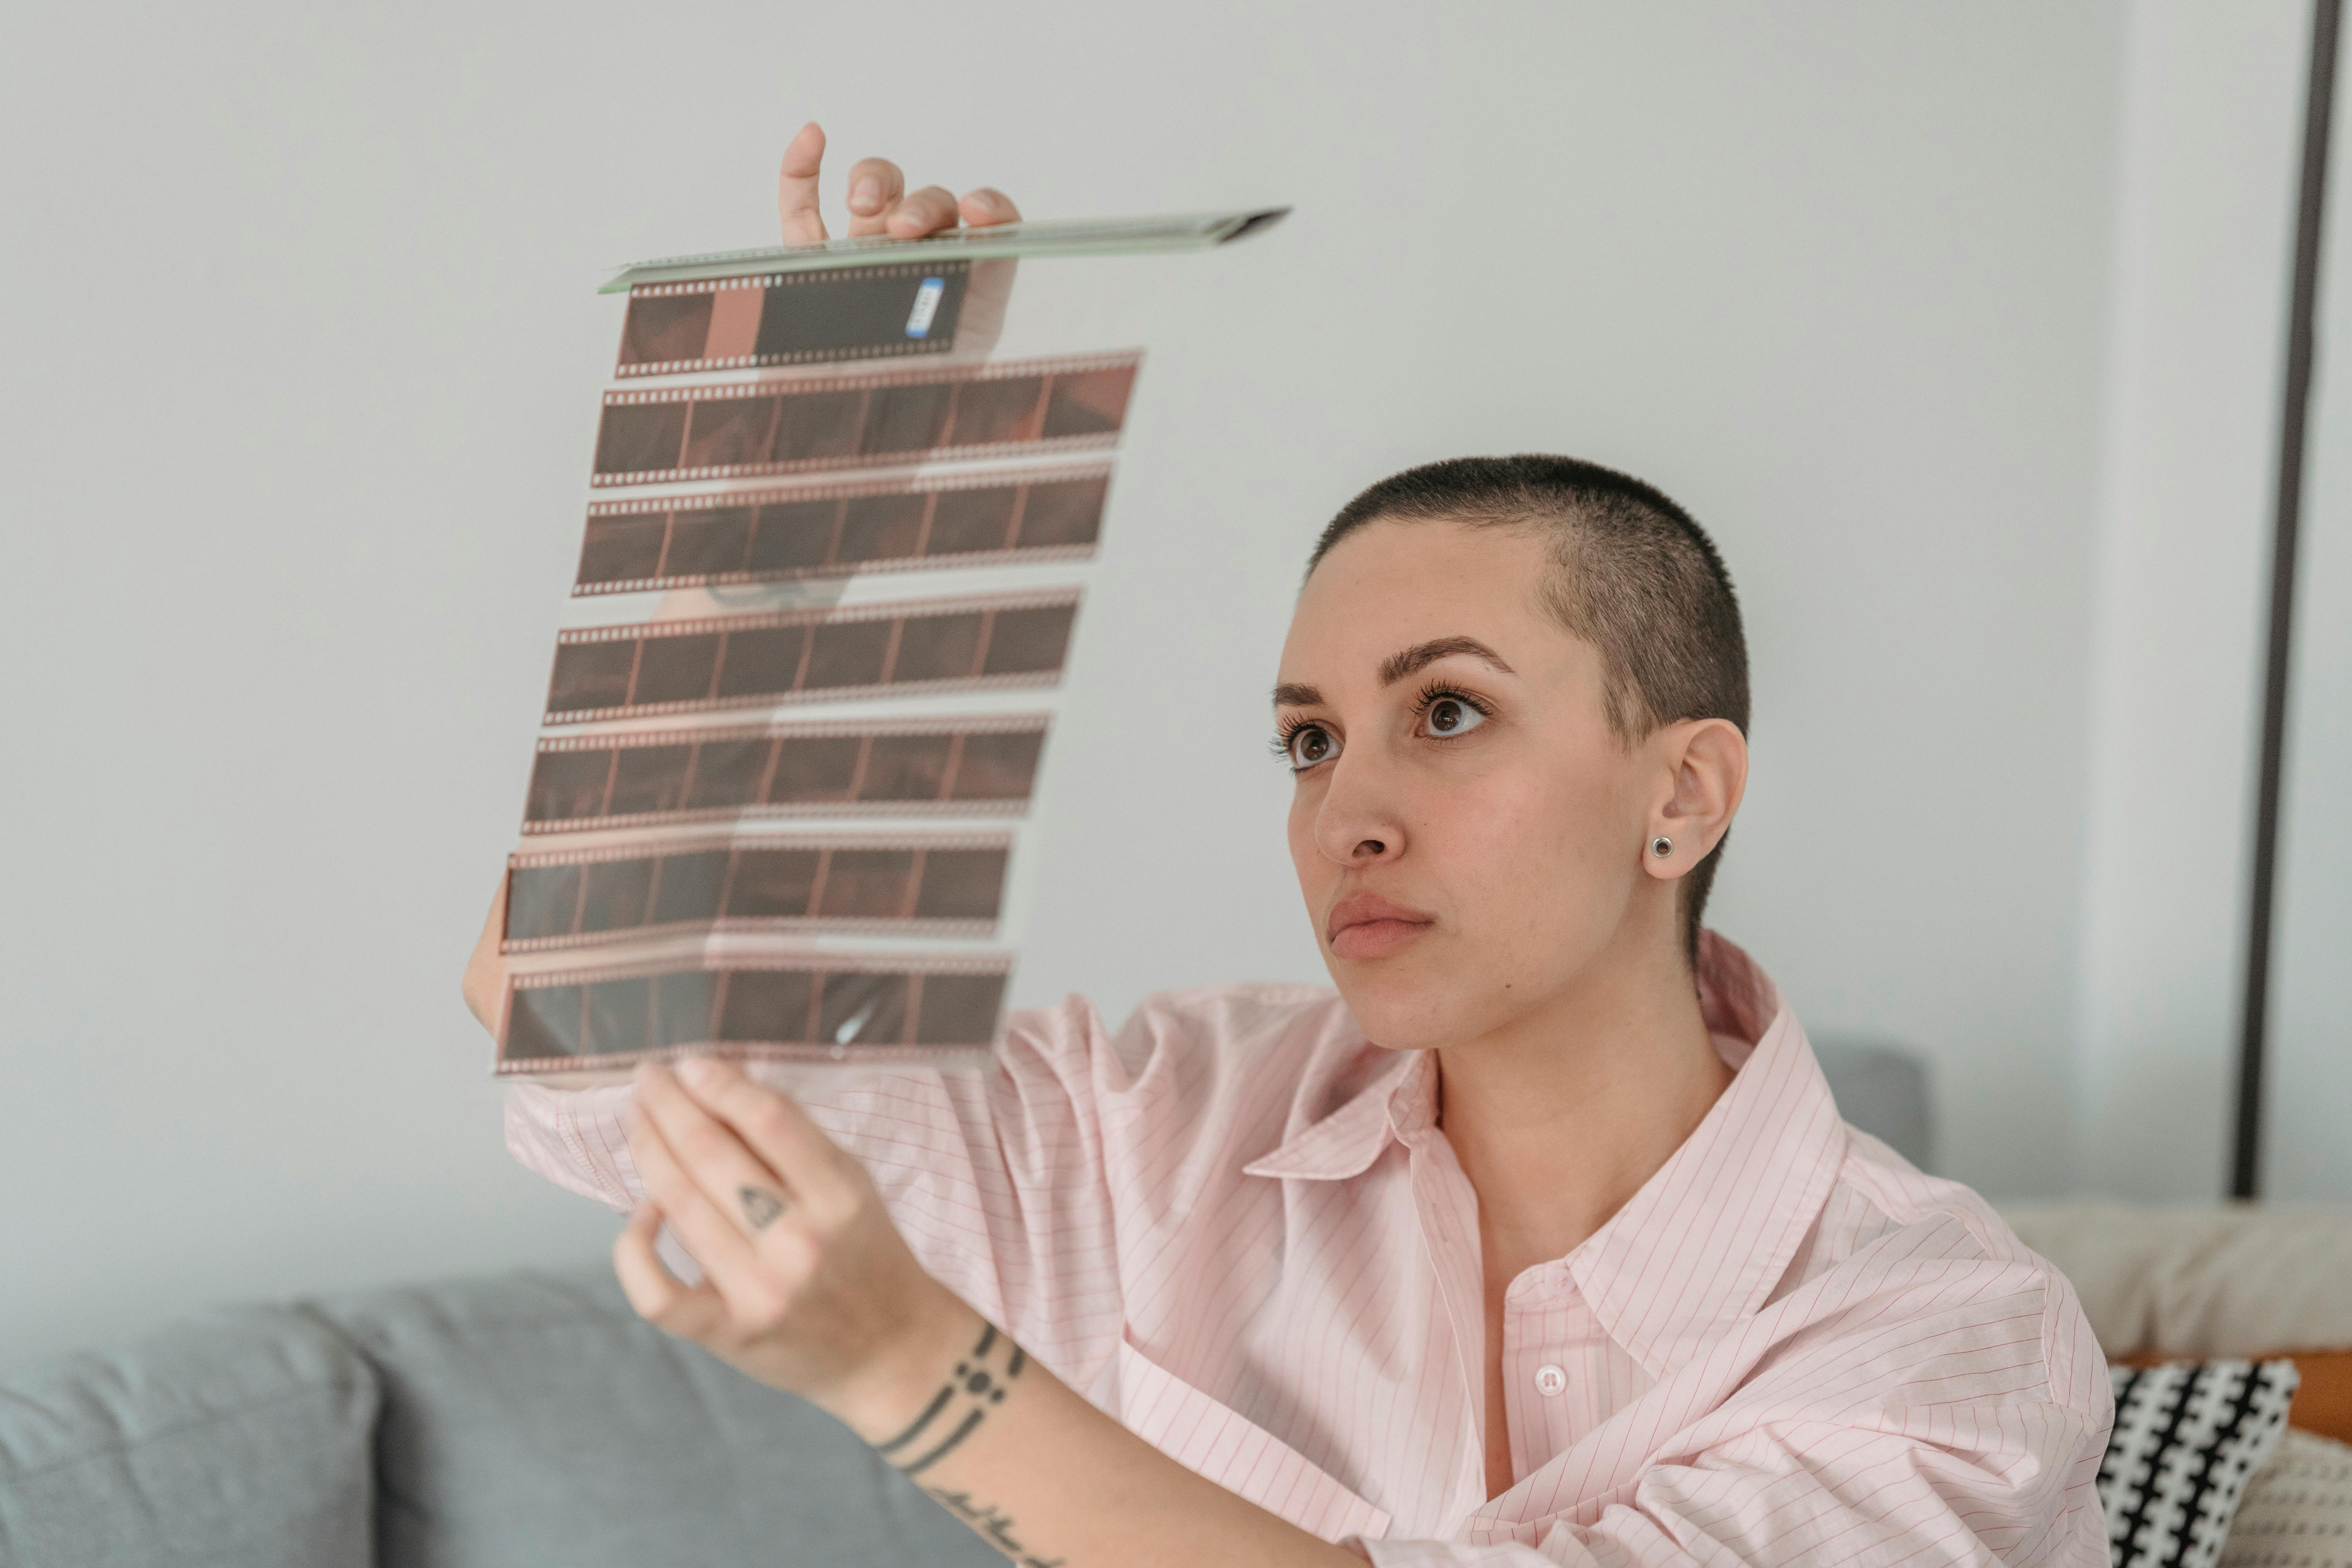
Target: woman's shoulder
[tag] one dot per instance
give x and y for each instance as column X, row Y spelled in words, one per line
column 1892, row 1228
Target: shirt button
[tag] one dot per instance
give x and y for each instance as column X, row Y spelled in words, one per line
column 1550, row 1379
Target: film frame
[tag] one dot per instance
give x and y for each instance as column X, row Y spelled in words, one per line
column 909, row 885
column 982, row 642
column 940, row 768
column 648, row 779
column 877, row 418
column 793, row 318
column 900, row 523
column 811, row 1008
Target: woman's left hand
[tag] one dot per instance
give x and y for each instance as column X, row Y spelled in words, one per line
column 809, row 1286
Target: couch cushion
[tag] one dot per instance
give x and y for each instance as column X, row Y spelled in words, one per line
column 2297, row 1510
column 534, row 1419
column 238, row 1439
column 2200, row 1282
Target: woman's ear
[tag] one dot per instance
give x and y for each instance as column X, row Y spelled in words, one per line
column 1706, row 760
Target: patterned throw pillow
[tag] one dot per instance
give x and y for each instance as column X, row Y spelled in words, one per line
column 2189, row 1436
column 2297, row 1510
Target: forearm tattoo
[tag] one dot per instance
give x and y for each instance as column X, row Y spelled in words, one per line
column 979, row 1385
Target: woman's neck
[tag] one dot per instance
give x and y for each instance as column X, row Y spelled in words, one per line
column 1559, row 1118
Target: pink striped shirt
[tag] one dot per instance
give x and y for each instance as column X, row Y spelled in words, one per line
column 1237, row 1226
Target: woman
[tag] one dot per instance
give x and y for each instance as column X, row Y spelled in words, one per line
column 1540, row 1241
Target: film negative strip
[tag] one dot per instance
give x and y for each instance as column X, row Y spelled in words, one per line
column 793, row 656
column 926, row 768
column 814, row 1008
column 918, row 413
column 793, row 318
column 857, row 883
column 827, row 531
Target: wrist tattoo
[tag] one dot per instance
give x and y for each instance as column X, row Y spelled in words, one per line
column 962, row 1404
column 991, row 1522
column 761, row 1207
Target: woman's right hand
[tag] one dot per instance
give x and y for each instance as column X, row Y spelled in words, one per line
column 880, row 202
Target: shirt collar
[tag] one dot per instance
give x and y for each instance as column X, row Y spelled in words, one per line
column 1708, row 1235
column 1401, row 1099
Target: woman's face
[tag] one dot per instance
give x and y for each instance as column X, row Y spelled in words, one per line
column 1468, row 832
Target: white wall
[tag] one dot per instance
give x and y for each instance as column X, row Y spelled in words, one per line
column 2204, row 251
column 302, row 369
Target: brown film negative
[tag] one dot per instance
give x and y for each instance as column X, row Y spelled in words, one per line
column 916, row 415
column 906, row 768
column 793, row 318
column 917, row 886
column 832, row 530
column 818, row 1007
column 736, row 661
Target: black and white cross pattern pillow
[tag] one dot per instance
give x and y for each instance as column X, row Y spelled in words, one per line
column 2189, row 1436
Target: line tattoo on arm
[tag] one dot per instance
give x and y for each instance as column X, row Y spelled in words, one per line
column 976, row 1388
column 991, row 1521
column 962, row 1404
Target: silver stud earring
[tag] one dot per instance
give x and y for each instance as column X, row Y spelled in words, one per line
column 1662, row 846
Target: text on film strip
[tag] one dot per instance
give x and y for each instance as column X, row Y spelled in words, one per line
column 895, row 416
column 795, row 318
column 671, row 667
column 835, row 530
column 938, row 767
column 821, row 1008
column 892, row 885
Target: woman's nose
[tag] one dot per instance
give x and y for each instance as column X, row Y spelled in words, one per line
column 1354, row 825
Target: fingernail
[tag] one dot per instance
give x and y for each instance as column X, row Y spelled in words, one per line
column 866, row 196
column 695, row 1070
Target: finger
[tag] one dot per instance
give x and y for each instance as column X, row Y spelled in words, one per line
column 987, row 205
column 707, row 1232
column 796, row 187
column 929, row 210
column 775, row 1130
column 875, row 187
column 689, row 1311
column 485, row 970
column 736, row 1180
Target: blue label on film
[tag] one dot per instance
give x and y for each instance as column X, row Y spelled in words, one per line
column 926, row 305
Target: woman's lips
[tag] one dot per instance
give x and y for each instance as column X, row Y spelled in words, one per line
column 1369, row 926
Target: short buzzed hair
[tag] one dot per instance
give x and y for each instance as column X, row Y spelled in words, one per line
column 1635, row 577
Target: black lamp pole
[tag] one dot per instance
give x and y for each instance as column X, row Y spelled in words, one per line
column 2245, row 1164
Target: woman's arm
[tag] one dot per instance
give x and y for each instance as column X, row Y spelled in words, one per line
column 810, row 1288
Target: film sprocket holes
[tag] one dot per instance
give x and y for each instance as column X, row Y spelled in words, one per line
column 832, row 567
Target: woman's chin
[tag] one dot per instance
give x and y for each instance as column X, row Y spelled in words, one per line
column 1398, row 1012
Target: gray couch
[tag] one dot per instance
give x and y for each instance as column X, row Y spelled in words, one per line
column 524, row 1420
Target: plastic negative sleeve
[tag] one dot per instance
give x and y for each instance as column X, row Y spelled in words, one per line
column 937, row 645
column 928, row 768
column 819, row 1007
column 835, row 530
column 889, row 885
column 797, row 318
column 918, row 414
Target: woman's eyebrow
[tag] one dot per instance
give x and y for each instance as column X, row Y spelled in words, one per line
column 1422, row 655
column 1289, row 695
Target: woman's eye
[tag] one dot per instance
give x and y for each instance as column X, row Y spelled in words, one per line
column 1311, row 744
column 1452, row 716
